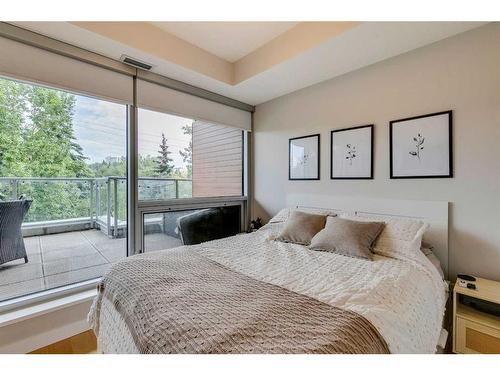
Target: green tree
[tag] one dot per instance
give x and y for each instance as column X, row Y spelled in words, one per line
column 148, row 166
column 37, row 140
column 13, row 105
column 110, row 167
column 49, row 146
column 187, row 153
column 165, row 166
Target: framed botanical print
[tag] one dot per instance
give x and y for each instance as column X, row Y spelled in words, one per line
column 303, row 157
column 421, row 146
column 351, row 153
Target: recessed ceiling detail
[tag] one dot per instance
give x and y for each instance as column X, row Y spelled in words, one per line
column 228, row 40
column 251, row 61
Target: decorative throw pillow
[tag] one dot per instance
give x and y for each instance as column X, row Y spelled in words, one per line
column 281, row 216
column 301, row 227
column 284, row 213
column 401, row 237
column 347, row 237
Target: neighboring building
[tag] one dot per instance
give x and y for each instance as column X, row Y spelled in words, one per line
column 217, row 160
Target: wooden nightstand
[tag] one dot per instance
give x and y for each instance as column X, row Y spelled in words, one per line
column 475, row 331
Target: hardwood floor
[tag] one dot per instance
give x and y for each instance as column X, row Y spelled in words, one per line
column 83, row 343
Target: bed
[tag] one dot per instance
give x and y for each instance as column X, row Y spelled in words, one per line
column 252, row 294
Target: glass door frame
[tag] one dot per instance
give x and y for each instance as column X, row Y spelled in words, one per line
column 136, row 209
column 154, row 207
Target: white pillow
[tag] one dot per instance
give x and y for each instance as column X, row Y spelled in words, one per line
column 434, row 260
column 281, row 216
column 284, row 214
column 400, row 238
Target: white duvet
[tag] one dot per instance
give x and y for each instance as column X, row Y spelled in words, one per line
column 403, row 298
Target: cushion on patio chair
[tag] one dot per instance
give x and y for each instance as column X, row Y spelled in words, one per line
column 209, row 224
column 12, row 214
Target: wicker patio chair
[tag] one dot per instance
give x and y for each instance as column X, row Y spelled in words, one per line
column 12, row 214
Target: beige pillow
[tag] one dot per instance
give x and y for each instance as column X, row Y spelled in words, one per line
column 281, row 216
column 284, row 214
column 401, row 237
column 300, row 227
column 347, row 237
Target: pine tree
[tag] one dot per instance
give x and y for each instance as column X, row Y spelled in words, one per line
column 187, row 154
column 165, row 166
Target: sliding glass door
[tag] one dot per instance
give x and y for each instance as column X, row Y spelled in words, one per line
column 99, row 161
column 183, row 164
column 62, row 187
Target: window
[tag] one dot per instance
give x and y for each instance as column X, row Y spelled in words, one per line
column 165, row 230
column 183, row 158
column 165, row 156
column 66, row 155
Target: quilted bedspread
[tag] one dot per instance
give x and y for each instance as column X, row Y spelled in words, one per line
column 250, row 293
column 179, row 301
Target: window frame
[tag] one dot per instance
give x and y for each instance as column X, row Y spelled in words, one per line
column 134, row 206
column 144, row 207
column 31, row 298
column 181, row 204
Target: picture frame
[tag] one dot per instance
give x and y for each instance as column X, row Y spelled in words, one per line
column 304, row 157
column 422, row 146
column 351, row 153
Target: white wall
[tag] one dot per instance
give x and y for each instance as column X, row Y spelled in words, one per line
column 461, row 73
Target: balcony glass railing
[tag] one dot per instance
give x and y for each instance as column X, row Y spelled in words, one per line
column 98, row 202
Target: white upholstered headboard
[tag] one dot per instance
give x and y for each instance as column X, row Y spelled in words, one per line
column 435, row 213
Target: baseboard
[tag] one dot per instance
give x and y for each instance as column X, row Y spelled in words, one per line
column 27, row 335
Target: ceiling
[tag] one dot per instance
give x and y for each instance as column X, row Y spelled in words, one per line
column 228, row 40
column 253, row 62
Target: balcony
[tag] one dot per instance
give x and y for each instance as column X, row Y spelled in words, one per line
column 76, row 228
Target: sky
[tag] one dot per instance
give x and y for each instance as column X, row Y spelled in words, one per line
column 100, row 128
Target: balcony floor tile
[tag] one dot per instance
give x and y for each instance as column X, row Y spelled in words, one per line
column 32, row 245
column 61, row 259
column 73, row 263
column 21, row 288
column 82, row 274
column 18, row 271
column 73, row 249
column 60, row 241
column 113, row 254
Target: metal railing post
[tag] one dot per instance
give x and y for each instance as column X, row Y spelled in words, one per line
column 97, row 201
column 14, row 189
column 108, row 206
column 115, row 198
column 91, row 211
column 94, row 214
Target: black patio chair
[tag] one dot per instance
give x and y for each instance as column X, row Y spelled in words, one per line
column 209, row 224
column 12, row 214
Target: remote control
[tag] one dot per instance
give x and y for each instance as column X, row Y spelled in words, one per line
column 466, row 277
column 471, row 286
